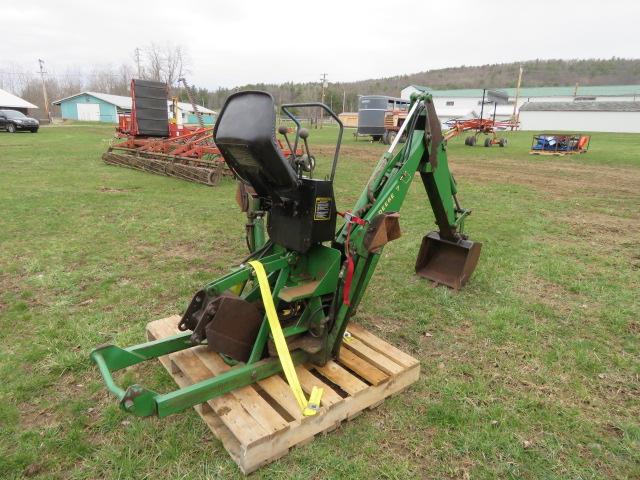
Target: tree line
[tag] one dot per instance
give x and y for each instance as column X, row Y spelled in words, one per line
column 168, row 63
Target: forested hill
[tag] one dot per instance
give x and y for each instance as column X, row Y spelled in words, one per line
column 162, row 65
column 537, row 73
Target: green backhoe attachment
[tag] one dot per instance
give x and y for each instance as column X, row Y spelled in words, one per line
column 316, row 275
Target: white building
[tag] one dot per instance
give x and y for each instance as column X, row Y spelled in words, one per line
column 13, row 102
column 593, row 116
column 469, row 100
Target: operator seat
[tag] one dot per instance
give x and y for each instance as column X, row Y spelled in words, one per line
column 245, row 134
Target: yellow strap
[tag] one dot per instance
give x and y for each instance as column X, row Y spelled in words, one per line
column 313, row 405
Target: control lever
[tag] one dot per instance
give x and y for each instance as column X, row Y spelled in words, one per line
column 306, row 161
column 282, row 130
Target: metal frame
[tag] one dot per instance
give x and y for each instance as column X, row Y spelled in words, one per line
column 285, row 108
column 385, row 192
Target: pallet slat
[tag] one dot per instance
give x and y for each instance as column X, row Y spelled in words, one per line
column 381, row 346
column 308, row 380
column 377, row 359
column 259, row 423
column 230, row 410
column 371, row 374
column 279, row 390
column 338, row 375
column 251, row 400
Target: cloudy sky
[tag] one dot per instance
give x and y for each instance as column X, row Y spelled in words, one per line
column 235, row 42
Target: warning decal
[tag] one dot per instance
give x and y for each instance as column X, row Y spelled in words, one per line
column 323, row 208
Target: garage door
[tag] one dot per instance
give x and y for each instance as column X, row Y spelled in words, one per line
column 89, row 112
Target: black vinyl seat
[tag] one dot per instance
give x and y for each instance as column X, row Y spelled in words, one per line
column 245, row 135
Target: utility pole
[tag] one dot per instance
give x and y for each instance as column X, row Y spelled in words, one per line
column 323, row 79
column 44, row 90
column 344, row 100
column 137, row 55
column 516, row 113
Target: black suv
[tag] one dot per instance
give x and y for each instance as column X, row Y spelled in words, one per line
column 12, row 121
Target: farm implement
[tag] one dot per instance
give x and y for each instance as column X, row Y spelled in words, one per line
column 189, row 156
column 290, row 301
column 154, row 143
column 482, row 126
column 559, row 144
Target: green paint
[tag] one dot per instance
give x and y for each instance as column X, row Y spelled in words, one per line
column 385, row 192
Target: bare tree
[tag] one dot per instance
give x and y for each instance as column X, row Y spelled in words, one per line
column 152, row 69
column 125, row 74
column 175, row 64
column 164, row 63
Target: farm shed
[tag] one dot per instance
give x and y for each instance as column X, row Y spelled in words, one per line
column 13, row 102
column 469, row 99
column 104, row 107
column 581, row 116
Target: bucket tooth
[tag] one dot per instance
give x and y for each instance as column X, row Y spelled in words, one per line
column 447, row 262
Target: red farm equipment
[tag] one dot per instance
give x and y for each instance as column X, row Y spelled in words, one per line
column 483, row 126
column 154, row 143
column 157, row 144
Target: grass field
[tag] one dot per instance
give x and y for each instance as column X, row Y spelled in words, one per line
column 531, row 371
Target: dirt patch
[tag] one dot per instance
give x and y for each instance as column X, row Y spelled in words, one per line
column 600, row 227
column 384, row 325
column 34, row 417
column 557, row 180
column 219, row 248
column 42, row 416
column 538, row 290
column 366, row 153
column 184, row 250
column 114, row 190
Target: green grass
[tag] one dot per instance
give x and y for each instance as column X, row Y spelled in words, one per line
column 531, row 371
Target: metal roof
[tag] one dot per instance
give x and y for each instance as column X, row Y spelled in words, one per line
column 11, row 101
column 581, row 107
column 125, row 102
column 383, row 96
column 566, row 91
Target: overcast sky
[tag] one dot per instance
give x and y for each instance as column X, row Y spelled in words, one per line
column 236, row 42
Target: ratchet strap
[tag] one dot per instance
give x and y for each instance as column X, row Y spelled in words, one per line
column 350, row 220
column 312, row 406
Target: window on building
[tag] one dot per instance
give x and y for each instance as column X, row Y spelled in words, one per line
column 450, row 103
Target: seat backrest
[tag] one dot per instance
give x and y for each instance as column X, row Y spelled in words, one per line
column 245, row 135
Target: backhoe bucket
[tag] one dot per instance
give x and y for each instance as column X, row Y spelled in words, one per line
column 446, row 262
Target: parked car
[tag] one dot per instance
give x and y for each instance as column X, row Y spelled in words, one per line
column 12, row 121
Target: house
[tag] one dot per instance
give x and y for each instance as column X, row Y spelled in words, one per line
column 104, row 107
column 584, row 116
column 13, row 102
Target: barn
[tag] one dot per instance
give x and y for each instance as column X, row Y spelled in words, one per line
column 581, row 116
column 13, row 102
column 470, row 99
column 104, row 107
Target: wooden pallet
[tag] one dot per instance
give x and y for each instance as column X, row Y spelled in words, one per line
column 260, row 423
